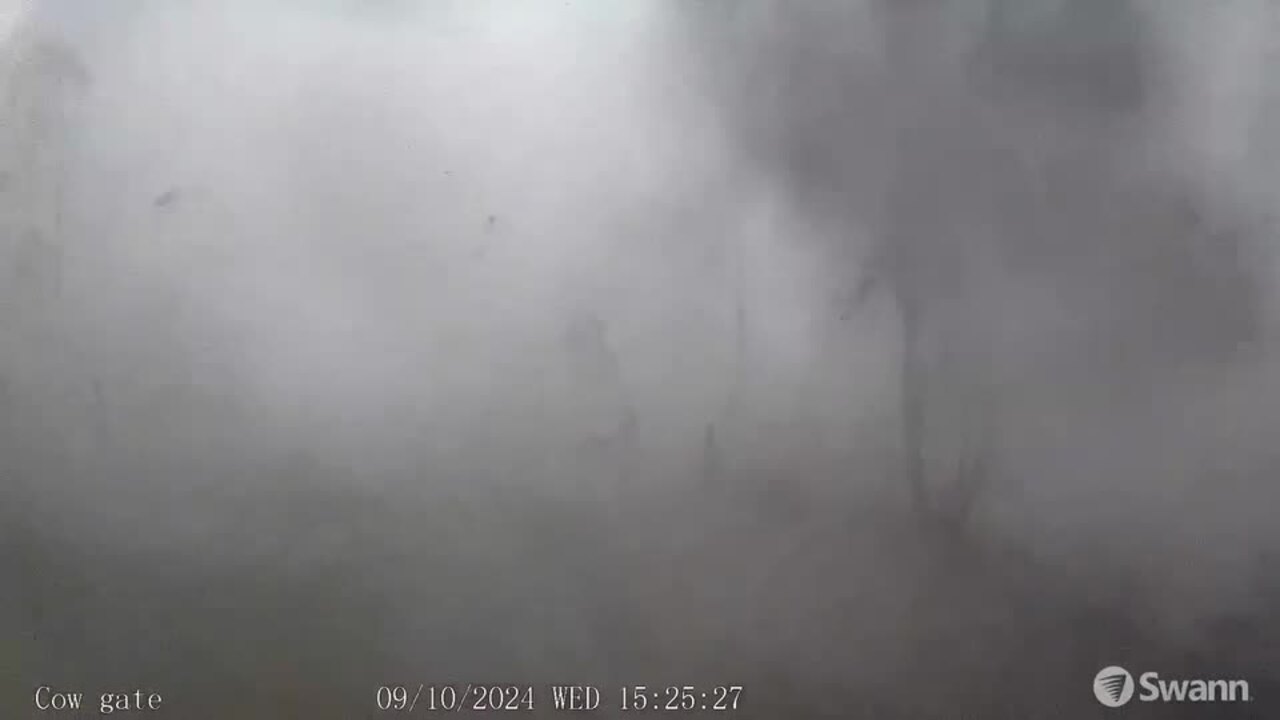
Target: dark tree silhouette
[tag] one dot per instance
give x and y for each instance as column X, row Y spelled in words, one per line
column 907, row 139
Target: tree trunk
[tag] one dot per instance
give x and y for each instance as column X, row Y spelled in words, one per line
column 912, row 400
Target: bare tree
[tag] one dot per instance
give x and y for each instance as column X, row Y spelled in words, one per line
column 45, row 78
column 962, row 144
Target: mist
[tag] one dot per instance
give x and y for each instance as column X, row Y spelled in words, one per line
column 883, row 359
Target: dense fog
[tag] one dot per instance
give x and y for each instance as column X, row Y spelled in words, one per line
column 884, row 358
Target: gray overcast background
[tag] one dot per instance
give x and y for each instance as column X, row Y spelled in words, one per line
column 348, row 344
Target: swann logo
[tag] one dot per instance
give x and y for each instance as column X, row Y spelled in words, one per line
column 1114, row 687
